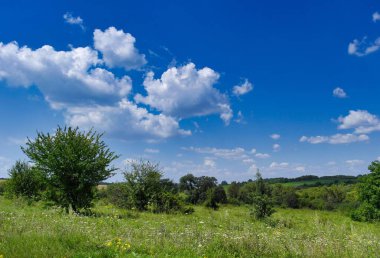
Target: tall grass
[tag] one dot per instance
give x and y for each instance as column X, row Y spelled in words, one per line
column 33, row 231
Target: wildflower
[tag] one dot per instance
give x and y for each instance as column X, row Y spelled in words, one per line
column 1, row 256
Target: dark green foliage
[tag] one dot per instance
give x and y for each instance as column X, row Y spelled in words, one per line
column 2, row 187
column 215, row 196
column 262, row 206
column 145, row 190
column 196, row 187
column 285, row 196
column 73, row 163
column 25, row 181
column 262, row 203
column 369, row 195
column 220, row 195
column 117, row 194
column 233, row 190
column 211, row 201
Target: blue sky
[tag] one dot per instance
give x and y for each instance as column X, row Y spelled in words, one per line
column 216, row 88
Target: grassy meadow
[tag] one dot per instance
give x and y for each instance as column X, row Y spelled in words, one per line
column 36, row 231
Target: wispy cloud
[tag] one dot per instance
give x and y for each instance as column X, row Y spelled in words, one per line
column 243, row 88
column 70, row 19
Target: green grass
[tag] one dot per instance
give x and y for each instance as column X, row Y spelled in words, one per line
column 32, row 231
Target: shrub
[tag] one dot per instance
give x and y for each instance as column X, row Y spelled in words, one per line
column 145, row 190
column 262, row 207
column 369, row 195
column 25, row 181
column 117, row 194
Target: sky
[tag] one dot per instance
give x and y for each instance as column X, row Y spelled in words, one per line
column 216, row 88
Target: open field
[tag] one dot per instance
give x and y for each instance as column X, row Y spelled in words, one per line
column 32, row 231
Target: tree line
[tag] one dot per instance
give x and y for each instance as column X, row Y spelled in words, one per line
column 66, row 167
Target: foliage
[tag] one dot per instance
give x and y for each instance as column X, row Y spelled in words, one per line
column 214, row 196
column 196, row 188
column 73, row 163
column 233, row 190
column 262, row 204
column 25, row 181
column 117, row 194
column 145, row 189
column 369, row 195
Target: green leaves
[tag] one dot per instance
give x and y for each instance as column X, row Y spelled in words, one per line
column 73, row 162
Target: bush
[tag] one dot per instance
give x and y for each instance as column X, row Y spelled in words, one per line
column 117, row 194
column 369, row 195
column 145, row 190
column 24, row 181
column 262, row 207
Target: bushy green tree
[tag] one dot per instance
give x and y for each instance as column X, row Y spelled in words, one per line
column 196, row 187
column 146, row 190
column 25, row 181
column 73, row 163
column 369, row 195
column 262, row 203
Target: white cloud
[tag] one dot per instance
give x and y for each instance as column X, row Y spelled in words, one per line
column 186, row 92
column 64, row 77
column 253, row 151
column 375, row 16
column 339, row 93
column 335, row 139
column 148, row 150
column 275, row 136
column 354, row 162
column 276, row 147
column 300, row 169
column 275, row 165
column 361, row 120
column 209, row 162
column 248, row 161
column 229, row 154
column 362, row 47
column 118, row 49
column 262, row 155
column 70, row 19
column 124, row 120
column 242, row 89
column 76, row 82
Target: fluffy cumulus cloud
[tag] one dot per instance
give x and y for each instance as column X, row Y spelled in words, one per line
column 70, row 19
column 242, row 89
column 62, row 76
column 184, row 92
column 124, row 120
column 363, row 47
column 361, row 121
column 118, row 49
column 79, row 82
column 339, row 93
column 335, row 139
